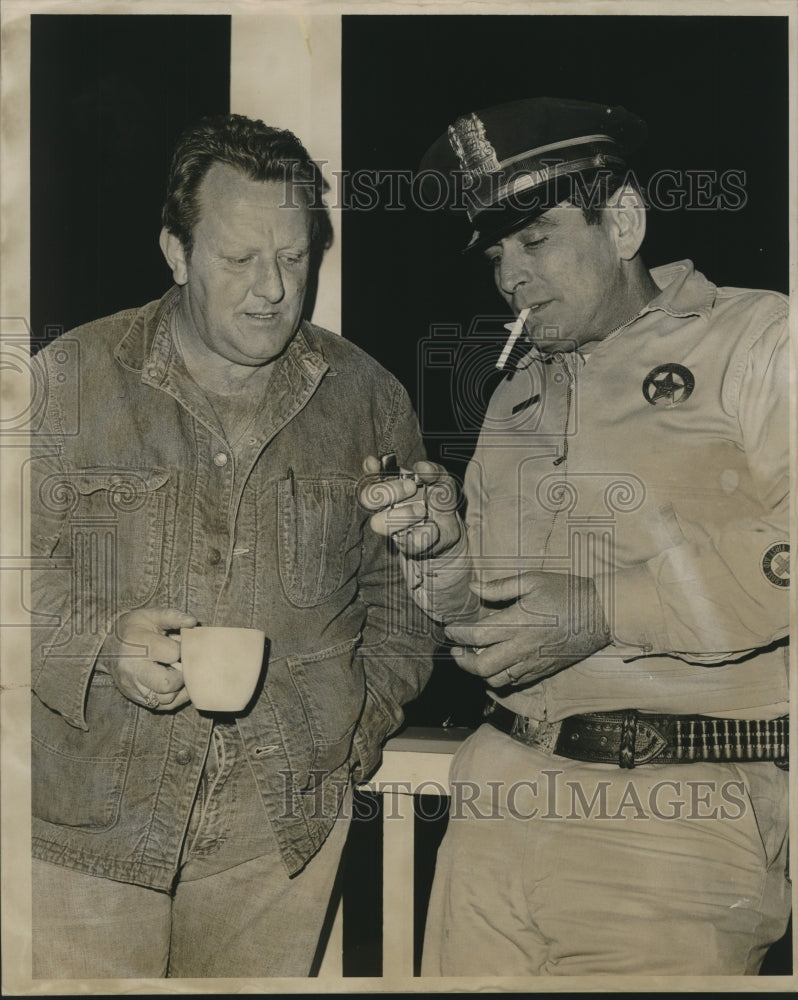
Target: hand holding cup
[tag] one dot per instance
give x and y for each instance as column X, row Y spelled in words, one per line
column 221, row 666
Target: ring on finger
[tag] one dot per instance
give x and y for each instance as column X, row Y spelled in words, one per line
column 152, row 701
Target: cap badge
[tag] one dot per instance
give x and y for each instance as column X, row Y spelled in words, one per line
column 472, row 147
column 776, row 564
column 669, row 384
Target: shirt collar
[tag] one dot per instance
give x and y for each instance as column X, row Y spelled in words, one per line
column 147, row 346
column 683, row 291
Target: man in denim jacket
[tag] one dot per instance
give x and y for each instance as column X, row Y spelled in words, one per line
column 199, row 466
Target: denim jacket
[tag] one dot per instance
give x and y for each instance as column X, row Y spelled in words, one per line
column 136, row 502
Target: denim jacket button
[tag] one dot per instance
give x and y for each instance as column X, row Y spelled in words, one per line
column 214, row 557
column 184, row 756
column 220, row 459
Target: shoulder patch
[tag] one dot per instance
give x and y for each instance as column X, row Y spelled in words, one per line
column 776, row 564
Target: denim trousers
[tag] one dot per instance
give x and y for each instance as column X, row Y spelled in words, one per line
column 234, row 911
column 557, row 867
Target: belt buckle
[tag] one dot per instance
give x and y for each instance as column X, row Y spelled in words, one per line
column 626, row 751
column 625, row 738
column 641, row 740
column 535, row 733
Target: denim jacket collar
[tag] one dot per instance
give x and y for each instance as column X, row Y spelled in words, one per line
column 149, row 348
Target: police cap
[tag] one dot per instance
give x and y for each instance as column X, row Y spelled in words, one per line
column 517, row 160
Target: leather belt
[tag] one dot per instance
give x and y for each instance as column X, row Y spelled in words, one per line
column 628, row 737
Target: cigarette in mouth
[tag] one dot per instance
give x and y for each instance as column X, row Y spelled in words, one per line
column 515, row 333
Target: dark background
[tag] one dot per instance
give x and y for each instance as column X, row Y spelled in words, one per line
column 110, row 94
column 713, row 90
column 109, row 97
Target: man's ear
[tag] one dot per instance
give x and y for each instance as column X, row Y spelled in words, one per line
column 175, row 255
column 627, row 219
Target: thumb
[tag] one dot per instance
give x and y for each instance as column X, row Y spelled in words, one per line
column 170, row 618
column 505, row 588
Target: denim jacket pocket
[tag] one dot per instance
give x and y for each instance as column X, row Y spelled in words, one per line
column 319, row 537
column 331, row 688
column 78, row 776
column 114, row 531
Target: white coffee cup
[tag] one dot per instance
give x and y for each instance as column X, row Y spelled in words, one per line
column 221, row 665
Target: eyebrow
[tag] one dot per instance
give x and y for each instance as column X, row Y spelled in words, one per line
column 540, row 223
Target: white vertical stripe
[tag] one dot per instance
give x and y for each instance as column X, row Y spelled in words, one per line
column 14, row 170
column 398, row 859
column 286, row 70
column 15, row 394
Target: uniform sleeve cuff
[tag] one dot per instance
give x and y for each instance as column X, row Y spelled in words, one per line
column 440, row 586
column 633, row 611
column 449, row 568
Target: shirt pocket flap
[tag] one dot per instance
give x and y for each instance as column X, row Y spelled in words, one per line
column 120, row 484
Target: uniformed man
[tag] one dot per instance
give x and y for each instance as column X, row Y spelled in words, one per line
column 620, row 581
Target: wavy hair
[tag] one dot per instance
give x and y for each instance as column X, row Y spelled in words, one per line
column 259, row 151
